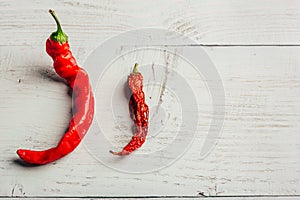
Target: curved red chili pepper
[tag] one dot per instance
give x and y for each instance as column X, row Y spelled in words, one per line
column 139, row 113
column 65, row 66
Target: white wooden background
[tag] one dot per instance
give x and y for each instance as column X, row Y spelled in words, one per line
column 255, row 46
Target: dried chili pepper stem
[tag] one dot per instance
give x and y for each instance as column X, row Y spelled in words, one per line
column 135, row 68
column 139, row 113
column 66, row 67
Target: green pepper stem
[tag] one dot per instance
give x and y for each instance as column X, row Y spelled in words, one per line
column 135, row 68
column 59, row 29
column 59, row 35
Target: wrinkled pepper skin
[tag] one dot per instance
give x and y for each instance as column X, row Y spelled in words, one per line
column 66, row 67
column 139, row 113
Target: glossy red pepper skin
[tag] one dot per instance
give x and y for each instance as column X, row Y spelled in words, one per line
column 139, row 113
column 83, row 112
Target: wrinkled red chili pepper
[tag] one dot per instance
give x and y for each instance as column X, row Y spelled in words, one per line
column 139, row 113
column 65, row 66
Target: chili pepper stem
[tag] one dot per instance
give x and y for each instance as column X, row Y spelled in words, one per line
column 58, row 35
column 135, row 69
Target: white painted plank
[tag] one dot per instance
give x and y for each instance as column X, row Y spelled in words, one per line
column 182, row 198
column 207, row 22
column 257, row 153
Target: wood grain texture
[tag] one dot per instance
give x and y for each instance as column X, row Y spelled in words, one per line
column 257, row 153
column 207, row 22
column 258, row 150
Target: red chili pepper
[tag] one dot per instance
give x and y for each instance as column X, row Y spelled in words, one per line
column 65, row 66
column 139, row 113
